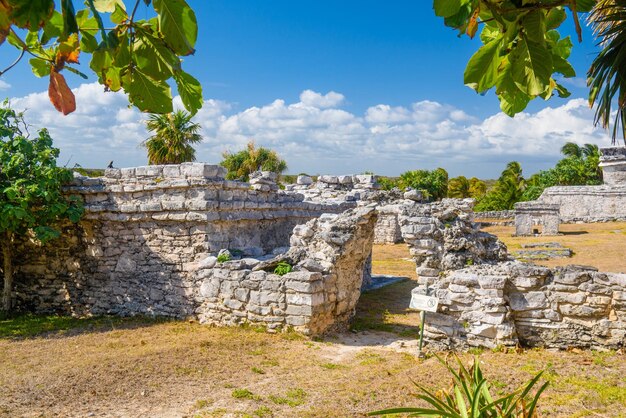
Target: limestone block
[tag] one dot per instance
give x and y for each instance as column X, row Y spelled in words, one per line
column 210, row 288
column 127, row 173
column 113, row 173
column 125, row 264
column 492, row 282
column 304, row 180
column 528, row 301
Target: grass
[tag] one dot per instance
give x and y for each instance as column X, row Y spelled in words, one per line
column 25, row 326
column 601, row 245
column 148, row 368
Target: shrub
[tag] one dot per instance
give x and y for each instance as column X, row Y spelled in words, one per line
column 469, row 397
column 283, row 268
column 222, row 258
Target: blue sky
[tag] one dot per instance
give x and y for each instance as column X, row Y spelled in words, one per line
column 399, row 102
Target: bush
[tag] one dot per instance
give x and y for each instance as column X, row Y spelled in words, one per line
column 469, row 397
column 283, row 268
column 222, row 258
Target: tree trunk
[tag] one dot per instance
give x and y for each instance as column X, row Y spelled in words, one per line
column 7, row 268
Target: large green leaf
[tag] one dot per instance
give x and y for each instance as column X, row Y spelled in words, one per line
column 562, row 66
column 584, row 6
column 512, row 99
column 31, row 14
column 555, row 17
column 481, row 72
column 41, row 68
column 535, row 26
column 177, row 23
column 531, row 66
column 190, row 91
column 108, row 6
column 53, row 28
column 149, row 95
column 445, row 8
column 153, row 57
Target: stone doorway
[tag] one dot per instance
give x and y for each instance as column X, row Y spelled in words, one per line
column 384, row 306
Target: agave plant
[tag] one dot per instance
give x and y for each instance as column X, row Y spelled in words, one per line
column 470, row 397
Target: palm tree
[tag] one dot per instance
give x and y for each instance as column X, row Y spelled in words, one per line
column 173, row 134
column 459, row 187
column 571, row 149
column 241, row 164
column 606, row 76
column 478, row 188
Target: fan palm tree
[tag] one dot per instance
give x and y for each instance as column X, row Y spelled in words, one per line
column 607, row 75
column 173, row 134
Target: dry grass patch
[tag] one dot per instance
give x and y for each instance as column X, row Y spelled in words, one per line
column 185, row 369
column 601, row 245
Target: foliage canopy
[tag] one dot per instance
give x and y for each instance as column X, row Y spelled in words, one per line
column 523, row 55
column 31, row 201
column 136, row 56
column 243, row 163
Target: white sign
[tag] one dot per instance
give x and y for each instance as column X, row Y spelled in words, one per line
column 423, row 302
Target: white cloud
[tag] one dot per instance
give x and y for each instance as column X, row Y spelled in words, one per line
column 316, row 135
column 4, row 85
column 321, row 101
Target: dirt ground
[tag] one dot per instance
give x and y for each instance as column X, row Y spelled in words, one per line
column 602, row 245
column 177, row 369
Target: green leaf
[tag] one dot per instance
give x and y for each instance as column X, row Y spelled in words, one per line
column 177, row 23
column 119, row 15
column 53, row 28
column 531, row 66
column 534, row 25
column 445, row 8
column 481, row 72
column 31, row 14
column 562, row 66
column 69, row 18
column 562, row 91
column 41, row 68
column 555, row 17
column 153, row 56
column 101, row 60
column 86, row 24
column 563, row 48
column 460, row 19
column 108, row 6
column 149, row 95
column 512, row 99
column 584, row 6
column 88, row 42
column 489, row 33
column 190, row 91
column 113, row 78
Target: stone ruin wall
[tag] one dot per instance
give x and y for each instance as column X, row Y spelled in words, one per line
column 145, row 235
column 603, row 203
column 519, row 303
column 149, row 242
column 587, row 203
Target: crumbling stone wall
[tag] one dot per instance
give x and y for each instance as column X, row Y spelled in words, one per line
column 603, row 203
column 145, row 230
column 442, row 236
column 328, row 255
column 512, row 302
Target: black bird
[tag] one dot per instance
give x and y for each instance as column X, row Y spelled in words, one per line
column 110, row 165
